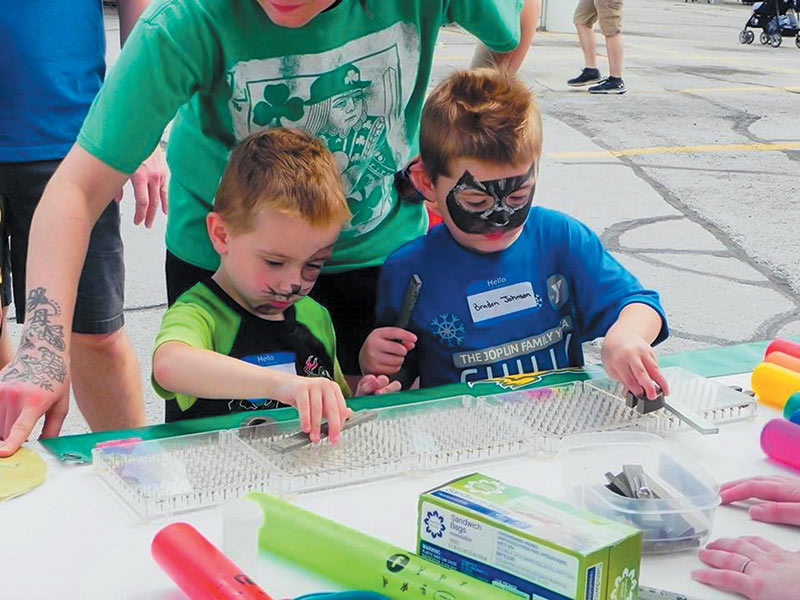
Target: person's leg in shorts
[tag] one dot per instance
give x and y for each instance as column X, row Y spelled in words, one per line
column 609, row 13
column 350, row 299
column 585, row 17
column 104, row 369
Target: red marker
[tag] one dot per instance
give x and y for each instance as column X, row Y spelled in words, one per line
column 198, row 568
column 785, row 346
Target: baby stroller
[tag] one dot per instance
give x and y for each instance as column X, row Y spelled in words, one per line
column 776, row 19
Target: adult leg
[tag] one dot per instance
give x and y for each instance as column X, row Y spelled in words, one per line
column 106, row 380
column 588, row 46
column 103, row 365
column 584, row 19
column 614, row 49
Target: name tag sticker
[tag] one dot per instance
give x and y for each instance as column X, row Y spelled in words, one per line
column 280, row 361
column 503, row 301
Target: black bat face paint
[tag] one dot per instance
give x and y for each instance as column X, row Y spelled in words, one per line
column 496, row 212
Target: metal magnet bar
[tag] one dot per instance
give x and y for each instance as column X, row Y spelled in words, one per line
column 300, row 439
column 409, row 302
column 638, row 482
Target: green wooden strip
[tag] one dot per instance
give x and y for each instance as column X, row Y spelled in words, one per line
column 713, row 362
column 78, row 448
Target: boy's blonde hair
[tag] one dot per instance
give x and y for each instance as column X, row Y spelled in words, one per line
column 284, row 169
column 485, row 114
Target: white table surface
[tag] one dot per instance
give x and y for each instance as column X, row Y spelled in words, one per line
column 72, row 538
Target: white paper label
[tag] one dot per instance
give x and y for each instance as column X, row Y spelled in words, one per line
column 503, row 301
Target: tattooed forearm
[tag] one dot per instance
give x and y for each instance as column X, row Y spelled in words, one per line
column 35, row 362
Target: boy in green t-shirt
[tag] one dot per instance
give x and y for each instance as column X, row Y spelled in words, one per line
column 277, row 213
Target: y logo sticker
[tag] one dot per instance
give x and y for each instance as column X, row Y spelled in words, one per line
column 557, row 291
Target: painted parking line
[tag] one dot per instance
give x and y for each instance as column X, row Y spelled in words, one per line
column 705, row 149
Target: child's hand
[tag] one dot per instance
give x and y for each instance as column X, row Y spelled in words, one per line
column 370, row 385
column 385, row 350
column 315, row 398
column 628, row 358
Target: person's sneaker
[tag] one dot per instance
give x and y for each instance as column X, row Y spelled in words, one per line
column 586, row 77
column 609, row 85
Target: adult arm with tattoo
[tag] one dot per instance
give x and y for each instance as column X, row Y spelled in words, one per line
column 35, row 383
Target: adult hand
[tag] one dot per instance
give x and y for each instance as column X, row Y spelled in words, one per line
column 374, row 385
column 751, row 566
column 315, row 398
column 782, row 495
column 23, row 403
column 629, row 359
column 149, row 183
column 385, row 350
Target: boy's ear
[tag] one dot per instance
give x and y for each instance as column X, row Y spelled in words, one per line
column 421, row 181
column 218, row 232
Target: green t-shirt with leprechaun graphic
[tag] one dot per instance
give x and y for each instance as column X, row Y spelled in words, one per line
column 355, row 78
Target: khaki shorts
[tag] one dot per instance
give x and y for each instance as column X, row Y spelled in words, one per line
column 607, row 12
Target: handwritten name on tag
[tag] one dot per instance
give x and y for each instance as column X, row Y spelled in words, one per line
column 503, row 301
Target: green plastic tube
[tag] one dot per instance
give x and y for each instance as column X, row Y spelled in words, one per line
column 792, row 405
column 358, row 561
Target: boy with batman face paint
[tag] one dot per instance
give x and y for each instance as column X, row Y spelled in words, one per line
column 508, row 287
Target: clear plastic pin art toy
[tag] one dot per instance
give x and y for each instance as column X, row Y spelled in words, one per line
column 167, row 476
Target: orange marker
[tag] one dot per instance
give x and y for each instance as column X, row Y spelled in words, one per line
column 774, row 384
column 784, row 360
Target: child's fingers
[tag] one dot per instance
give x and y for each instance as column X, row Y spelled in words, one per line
column 384, row 364
column 344, row 411
column 301, row 404
column 390, row 388
column 651, row 364
column 643, row 379
column 396, row 333
column 315, row 408
column 331, row 406
column 366, row 385
column 629, row 380
column 392, row 347
column 394, row 362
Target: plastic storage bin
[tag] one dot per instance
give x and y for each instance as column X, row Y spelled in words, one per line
column 680, row 518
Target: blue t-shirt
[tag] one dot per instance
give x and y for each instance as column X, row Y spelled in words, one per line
column 527, row 308
column 52, row 62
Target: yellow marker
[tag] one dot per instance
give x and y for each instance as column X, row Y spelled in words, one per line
column 773, row 384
